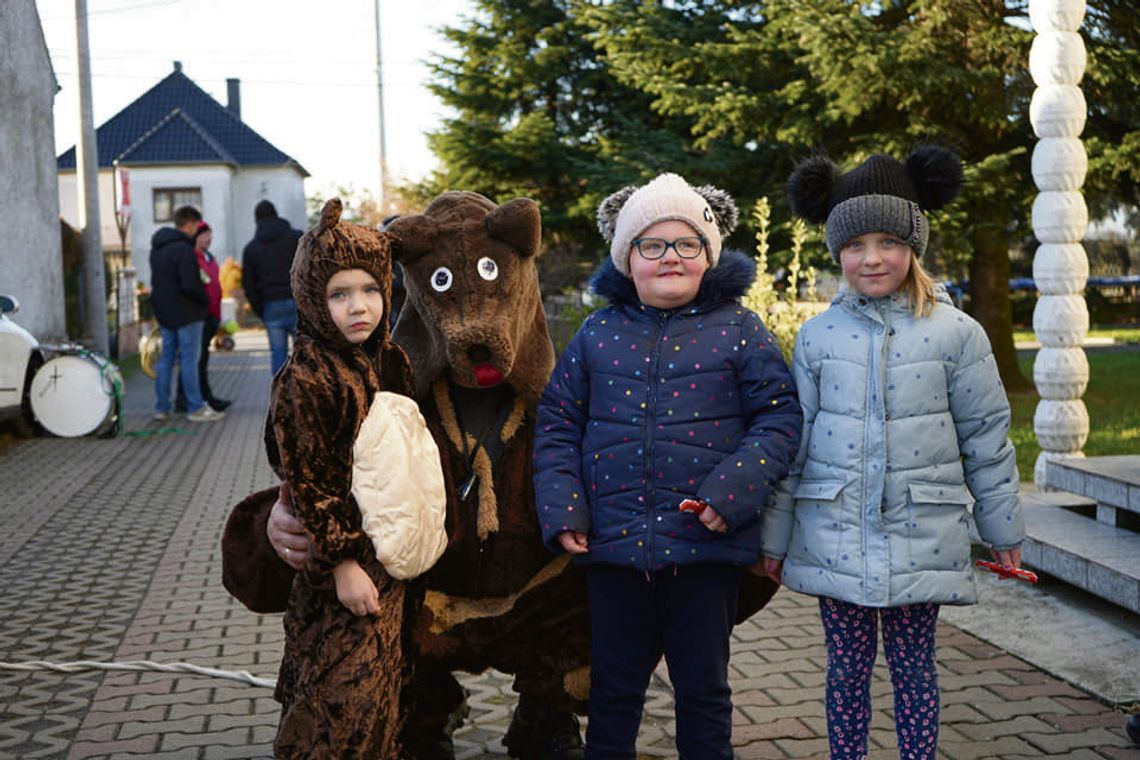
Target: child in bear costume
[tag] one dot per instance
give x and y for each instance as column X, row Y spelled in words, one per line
column 344, row 665
column 474, row 329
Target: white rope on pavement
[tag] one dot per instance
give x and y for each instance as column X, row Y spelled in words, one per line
column 140, row 665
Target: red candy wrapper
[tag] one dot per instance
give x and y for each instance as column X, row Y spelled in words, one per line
column 1004, row 571
column 694, row 506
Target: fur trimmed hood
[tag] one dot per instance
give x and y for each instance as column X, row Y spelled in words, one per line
column 728, row 281
column 323, row 251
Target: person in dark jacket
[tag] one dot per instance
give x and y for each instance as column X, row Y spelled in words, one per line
column 178, row 295
column 266, row 261
column 666, row 424
column 208, row 266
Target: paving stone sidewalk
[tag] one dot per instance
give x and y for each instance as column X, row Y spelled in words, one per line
column 110, row 553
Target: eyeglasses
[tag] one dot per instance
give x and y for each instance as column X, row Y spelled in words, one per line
column 655, row 248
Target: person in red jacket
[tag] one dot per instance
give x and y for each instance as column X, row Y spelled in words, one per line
column 208, row 267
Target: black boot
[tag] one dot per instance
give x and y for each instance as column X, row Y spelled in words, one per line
column 439, row 707
column 553, row 735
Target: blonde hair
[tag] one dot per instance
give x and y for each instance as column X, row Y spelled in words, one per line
column 919, row 288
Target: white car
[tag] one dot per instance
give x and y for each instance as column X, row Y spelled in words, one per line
column 20, row 357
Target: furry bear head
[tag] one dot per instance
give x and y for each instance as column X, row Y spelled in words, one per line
column 473, row 306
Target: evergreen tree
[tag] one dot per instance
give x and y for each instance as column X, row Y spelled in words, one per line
column 566, row 101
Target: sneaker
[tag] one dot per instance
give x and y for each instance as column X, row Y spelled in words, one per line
column 205, row 414
column 219, row 404
column 161, row 416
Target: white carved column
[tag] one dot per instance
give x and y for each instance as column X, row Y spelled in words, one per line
column 1060, row 267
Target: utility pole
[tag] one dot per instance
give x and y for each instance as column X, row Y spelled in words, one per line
column 87, row 174
column 380, row 100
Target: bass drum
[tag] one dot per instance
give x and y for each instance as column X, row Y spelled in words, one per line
column 78, row 393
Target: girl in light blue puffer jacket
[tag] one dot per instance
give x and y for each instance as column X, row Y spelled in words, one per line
column 906, row 424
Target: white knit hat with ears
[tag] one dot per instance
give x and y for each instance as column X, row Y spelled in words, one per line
column 623, row 216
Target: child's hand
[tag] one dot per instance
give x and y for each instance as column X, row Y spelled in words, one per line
column 573, row 541
column 712, row 520
column 355, row 589
column 773, row 568
column 1007, row 557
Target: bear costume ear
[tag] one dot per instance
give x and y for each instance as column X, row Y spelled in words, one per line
column 412, row 237
column 518, row 224
column 936, row 173
column 810, row 186
column 330, row 215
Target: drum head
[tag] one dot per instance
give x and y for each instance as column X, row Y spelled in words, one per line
column 71, row 396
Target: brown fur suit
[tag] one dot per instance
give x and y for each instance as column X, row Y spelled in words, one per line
column 474, row 329
column 341, row 676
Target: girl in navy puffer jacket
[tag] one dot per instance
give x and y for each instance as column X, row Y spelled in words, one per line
column 674, row 392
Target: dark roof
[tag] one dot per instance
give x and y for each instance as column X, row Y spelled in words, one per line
column 177, row 122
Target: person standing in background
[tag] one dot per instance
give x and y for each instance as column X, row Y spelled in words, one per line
column 208, row 266
column 266, row 261
column 179, row 299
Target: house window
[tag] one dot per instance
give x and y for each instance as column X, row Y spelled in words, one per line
column 167, row 200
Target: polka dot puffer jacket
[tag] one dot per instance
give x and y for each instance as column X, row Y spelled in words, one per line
column 647, row 407
column 906, row 424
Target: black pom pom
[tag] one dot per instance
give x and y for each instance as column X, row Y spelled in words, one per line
column 723, row 208
column 810, row 186
column 936, row 173
column 608, row 211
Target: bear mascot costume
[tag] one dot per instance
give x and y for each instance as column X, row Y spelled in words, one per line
column 474, row 329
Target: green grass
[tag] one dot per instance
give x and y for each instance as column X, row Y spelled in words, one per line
column 1119, row 334
column 1113, row 402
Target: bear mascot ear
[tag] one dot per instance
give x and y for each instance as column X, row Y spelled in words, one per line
column 518, row 224
column 412, row 237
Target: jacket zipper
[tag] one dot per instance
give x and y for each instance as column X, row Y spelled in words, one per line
column 650, row 417
column 884, row 353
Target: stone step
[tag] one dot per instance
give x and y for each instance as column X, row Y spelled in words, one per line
column 1114, row 482
column 1099, row 558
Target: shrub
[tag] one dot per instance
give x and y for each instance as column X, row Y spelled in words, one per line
column 784, row 314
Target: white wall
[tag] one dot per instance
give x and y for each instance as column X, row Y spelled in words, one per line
column 282, row 186
column 228, row 200
column 31, row 261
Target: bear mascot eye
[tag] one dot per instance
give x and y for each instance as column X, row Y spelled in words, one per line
column 441, row 280
column 488, row 269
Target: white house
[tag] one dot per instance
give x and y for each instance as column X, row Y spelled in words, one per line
column 180, row 146
column 31, row 262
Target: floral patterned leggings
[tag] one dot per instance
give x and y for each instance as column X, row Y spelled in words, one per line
column 908, row 642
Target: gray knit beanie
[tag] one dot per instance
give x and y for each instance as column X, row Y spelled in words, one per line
column 623, row 216
column 880, row 195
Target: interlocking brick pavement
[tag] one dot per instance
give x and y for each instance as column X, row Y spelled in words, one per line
column 110, row 552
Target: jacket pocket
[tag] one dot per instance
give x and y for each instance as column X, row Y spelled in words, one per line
column 823, row 521
column 937, row 531
column 940, row 493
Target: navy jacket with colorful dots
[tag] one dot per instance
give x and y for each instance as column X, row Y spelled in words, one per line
column 906, row 424
column 648, row 407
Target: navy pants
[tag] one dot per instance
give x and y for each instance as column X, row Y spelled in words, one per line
column 908, row 642
column 688, row 613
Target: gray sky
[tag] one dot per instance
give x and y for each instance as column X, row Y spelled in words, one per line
column 307, row 71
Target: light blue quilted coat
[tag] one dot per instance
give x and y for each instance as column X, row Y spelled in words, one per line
column 906, row 424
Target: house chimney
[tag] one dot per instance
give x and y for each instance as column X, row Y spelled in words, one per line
column 233, row 97
column 178, row 65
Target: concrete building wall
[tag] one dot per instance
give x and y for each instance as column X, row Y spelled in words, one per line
column 31, row 261
column 228, row 198
column 281, row 186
